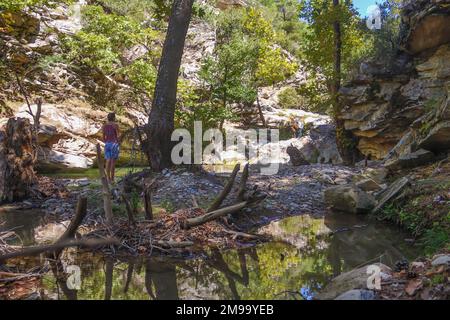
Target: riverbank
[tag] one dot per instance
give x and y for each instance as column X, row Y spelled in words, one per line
column 294, row 221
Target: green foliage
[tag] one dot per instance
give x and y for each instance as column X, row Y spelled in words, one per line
column 289, row 29
column 246, row 57
column 142, row 75
column 318, row 44
column 92, row 50
column 383, row 44
column 424, row 219
column 290, row 99
column 47, row 62
column 103, row 40
column 17, row 5
column 319, row 38
column 273, row 67
column 229, row 74
column 138, row 10
column 435, row 238
column 167, row 205
column 121, row 31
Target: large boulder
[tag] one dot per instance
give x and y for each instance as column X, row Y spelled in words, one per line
column 438, row 139
column 50, row 160
column 349, row 198
column 67, row 136
column 352, row 280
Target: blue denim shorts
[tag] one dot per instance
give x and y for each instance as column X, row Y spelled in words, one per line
column 112, row 151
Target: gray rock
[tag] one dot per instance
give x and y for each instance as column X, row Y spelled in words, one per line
column 357, row 295
column 391, row 192
column 296, row 157
column 376, row 174
column 368, row 185
column 438, row 139
column 352, row 280
column 411, row 160
column 443, row 259
column 349, row 198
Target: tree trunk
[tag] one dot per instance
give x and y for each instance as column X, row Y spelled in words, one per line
column 148, row 204
column 17, row 159
column 109, row 270
column 342, row 136
column 161, row 119
column 261, row 115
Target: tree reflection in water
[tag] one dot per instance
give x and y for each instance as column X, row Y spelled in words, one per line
column 273, row 270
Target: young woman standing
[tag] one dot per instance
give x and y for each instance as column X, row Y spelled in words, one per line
column 112, row 145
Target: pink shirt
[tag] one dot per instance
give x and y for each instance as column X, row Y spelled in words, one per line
column 110, row 133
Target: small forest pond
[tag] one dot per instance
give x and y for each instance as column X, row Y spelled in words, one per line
column 281, row 269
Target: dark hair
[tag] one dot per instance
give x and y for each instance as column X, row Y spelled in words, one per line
column 111, row 116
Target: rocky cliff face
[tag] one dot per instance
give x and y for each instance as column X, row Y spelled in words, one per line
column 399, row 110
column 72, row 113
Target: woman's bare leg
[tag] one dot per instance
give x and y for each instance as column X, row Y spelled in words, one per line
column 113, row 170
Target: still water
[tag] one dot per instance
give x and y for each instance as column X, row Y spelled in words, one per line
column 293, row 268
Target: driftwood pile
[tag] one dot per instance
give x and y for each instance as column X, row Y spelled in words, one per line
column 187, row 229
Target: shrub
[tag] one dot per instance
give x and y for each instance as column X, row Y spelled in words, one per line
column 289, row 98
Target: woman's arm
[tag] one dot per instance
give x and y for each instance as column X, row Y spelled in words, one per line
column 103, row 133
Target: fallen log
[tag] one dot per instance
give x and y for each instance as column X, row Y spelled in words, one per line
column 226, row 190
column 243, row 235
column 36, row 250
column 209, row 216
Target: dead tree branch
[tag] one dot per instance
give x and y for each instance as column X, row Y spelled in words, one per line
column 226, row 190
column 243, row 184
column 193, row 222
column 36, row 250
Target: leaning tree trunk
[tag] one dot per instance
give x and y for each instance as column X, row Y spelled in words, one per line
column 17, row 159
column 161, row 119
